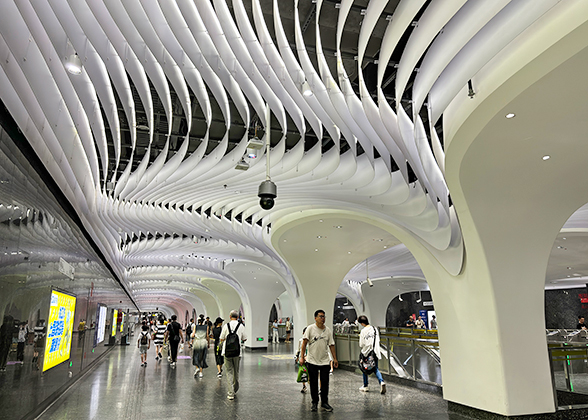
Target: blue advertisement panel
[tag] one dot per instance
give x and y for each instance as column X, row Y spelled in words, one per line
column 423, row 315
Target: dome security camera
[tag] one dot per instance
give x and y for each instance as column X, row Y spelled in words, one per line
column 267, row 192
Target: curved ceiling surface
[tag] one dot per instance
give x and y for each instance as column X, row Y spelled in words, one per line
column 150, row 142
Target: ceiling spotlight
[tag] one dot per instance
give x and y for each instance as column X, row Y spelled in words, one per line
column 400, row 298
column 73, row 64
column 251, row 153
column 306, row 90
column 255, row 143
column 242, row 165
column 420, row 298
column 546, row 157
column 510, row 115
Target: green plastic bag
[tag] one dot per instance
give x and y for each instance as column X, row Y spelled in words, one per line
column 302, row 374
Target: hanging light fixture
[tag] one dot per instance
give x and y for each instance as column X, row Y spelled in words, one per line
column 73, row 64
column 420, row 298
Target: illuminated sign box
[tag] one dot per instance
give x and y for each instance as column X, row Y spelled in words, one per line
column 114, row 321
column 59, row 329
column 100, row 324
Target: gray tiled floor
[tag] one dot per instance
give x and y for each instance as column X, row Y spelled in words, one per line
column 120, row 389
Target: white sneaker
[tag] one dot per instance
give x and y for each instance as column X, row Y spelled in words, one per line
column 382, row 388
column 200, row 375
column 196, row 372
column 230, row 397
column 364, row 389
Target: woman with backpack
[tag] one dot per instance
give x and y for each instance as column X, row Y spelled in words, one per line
column 144, row 343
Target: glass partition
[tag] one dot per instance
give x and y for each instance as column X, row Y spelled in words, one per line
column 407, row 353
column 43, row 251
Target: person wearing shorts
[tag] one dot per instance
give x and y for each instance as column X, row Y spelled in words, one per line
column 144, row 343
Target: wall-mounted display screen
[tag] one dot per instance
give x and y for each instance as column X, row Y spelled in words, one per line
column 114, row 322
column 59, row 329
column 100, row 324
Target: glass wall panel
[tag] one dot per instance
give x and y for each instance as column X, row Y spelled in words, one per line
column 39, row 242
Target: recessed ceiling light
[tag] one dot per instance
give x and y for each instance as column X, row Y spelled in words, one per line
column 321, row 220
column 254, row 278
column 385, row 246
column 285, row 240
column 564, row 239
column 338, row 227
column 569, row 268
column 546, row 157
column 349, row 252
column 237, row 192
column 510, row 115
column 316, row 249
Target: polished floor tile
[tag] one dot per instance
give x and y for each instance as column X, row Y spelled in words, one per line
column 119, row 388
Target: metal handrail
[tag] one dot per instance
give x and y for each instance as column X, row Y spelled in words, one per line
column 398, row 344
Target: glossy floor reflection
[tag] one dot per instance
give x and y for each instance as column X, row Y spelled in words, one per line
column 119, row 388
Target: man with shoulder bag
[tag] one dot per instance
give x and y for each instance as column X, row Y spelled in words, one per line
column 369, row 343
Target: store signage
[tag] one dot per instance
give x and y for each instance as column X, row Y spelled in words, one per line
column 430, row 303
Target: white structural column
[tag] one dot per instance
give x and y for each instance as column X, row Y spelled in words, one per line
column 227, row 295
column 321, row 249
column 491, row 316
column 262, row 287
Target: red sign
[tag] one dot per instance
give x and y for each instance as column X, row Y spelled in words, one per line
column 583, row 297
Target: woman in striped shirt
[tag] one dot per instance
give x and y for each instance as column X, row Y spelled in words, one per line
column 158, row 338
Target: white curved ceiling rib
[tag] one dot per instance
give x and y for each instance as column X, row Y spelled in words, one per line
column 145, row 141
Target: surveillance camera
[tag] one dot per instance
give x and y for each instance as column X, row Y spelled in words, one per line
column 267, row 192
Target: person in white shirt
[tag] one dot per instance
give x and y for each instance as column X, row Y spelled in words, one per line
column 419, row 323
column 366, row 344
column 232, row 362
column 275, row 335
column 319, row 339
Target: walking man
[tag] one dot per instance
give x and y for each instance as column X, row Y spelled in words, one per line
column 319, row 339
column 173, row 336
column 232, row 335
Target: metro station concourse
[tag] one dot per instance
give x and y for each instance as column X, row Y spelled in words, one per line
column 364, row 157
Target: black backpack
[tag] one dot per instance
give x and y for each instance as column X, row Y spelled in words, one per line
column 144, row 339
column 232, row 344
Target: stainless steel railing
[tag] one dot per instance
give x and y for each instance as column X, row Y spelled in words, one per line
column 409, row 353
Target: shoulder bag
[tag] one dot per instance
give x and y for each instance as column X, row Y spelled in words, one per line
column 368, row 364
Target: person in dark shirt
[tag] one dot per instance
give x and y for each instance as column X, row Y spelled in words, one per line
column 581, row 325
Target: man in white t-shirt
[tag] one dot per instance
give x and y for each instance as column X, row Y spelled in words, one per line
column 232, row 362
column 319, row 339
